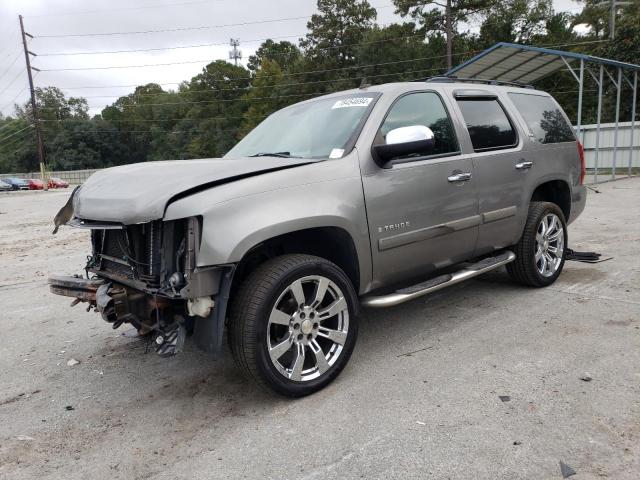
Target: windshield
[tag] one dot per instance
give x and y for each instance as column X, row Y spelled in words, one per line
column 324, row 128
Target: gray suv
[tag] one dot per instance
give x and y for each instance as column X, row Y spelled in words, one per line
column 372, row 197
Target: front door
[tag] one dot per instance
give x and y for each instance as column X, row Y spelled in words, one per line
column 422, row 210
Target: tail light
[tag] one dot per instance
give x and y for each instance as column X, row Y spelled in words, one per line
column 583, row 165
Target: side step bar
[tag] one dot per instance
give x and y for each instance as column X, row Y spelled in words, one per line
column 438, row 283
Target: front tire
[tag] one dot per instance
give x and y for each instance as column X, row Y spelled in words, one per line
column 540, row 253
column 293, row 325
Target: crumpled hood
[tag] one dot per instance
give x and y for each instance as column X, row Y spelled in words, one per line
column 140, row 192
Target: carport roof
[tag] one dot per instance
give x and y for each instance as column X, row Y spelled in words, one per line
column 511, row 62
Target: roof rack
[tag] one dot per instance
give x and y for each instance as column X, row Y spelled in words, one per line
column 453, row 78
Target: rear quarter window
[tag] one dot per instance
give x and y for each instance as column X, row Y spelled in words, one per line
column 543, row 117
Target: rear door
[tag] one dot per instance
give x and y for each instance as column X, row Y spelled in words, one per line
column 551, row 145
column 500, row 167
column 420, row 217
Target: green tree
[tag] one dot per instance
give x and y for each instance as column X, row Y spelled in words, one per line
column 595, row 16
column 135, row 115
column 267, row 94
column 216, row 105
column 208, row 113
column 17, row 146
column 398, row 45
column 285, row 54
column 515, row 21
column 435, row 16
column 336, row 30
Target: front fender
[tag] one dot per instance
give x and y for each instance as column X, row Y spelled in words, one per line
column 233, row 227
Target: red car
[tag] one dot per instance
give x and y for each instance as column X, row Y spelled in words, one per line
column 35, row 184
column 55, row 182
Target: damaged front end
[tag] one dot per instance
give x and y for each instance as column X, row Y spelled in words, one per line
column 146, row 275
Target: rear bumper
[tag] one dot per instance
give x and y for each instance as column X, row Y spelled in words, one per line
column 578, row 202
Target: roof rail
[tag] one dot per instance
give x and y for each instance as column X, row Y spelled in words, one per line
column 453, row 78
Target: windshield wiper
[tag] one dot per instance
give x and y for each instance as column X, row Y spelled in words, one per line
column 273, row 154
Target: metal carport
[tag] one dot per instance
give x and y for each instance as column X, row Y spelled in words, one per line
column 511, row 62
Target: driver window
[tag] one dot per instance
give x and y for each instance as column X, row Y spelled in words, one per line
column 423, row 108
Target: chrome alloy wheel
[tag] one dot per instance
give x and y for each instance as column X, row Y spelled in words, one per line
column 549, row 245
column 307, row 328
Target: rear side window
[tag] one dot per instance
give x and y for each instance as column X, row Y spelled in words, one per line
column 422, row 108
column 544, row 118
column 488, row 124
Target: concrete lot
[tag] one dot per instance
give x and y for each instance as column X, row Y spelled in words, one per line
column 419, row 399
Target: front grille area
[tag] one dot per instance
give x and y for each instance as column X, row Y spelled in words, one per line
column 114, row 243
column 147, row 252
column 132, row 252
column 118, row 269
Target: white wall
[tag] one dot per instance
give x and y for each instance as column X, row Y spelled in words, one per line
column 605, row 156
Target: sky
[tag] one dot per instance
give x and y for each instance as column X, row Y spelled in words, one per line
column 216, row 21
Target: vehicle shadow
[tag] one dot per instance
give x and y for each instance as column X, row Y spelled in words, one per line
column 383, row 333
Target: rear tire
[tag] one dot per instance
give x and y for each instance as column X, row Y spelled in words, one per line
column 540, row 253
column 293, row 325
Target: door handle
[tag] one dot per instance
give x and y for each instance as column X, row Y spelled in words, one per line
column 459, row 177
column 524, row 165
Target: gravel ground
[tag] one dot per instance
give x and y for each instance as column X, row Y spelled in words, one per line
column 420, row 398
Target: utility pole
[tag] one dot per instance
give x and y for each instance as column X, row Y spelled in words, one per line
column 34, row 106
column 613, row 7
column 235, row 54
column 449, row 34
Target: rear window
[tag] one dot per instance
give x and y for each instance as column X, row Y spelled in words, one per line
column 543, row 117
column 488, row 124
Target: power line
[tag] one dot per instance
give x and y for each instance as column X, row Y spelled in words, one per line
column 21, row 138
column 15, row 133
column 12, row 81
column 283, row 85
column 158, row 120
column 118, row 86
column 111, row 67
column 255, row 98
column 86, row 12
column 285, row 74
column 201, row 101
column 11, row 65
column 313, row 95
column 7, row 51
column 168, row 30
column 10, row 123
column 14, row 99
column 183, row 29
column 170, row 132
column 249, row 78
column 200, row 45
column 15, row 141
column 226, row 43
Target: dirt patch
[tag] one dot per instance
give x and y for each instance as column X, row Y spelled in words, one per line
column 619, row 323
column 581, row 275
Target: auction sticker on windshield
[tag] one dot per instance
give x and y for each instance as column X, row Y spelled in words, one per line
column 352, row 102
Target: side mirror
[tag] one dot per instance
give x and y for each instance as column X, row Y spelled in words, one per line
column 403, row 141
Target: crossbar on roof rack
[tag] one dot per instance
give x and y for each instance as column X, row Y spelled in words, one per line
column 453, row 78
